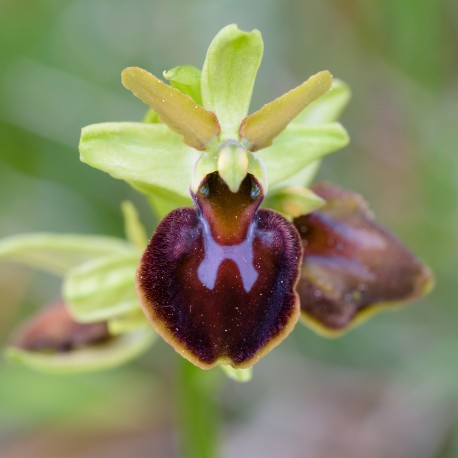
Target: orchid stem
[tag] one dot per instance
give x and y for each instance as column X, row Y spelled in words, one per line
column 198, row 411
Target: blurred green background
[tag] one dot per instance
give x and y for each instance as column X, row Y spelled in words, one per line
column 387, row 389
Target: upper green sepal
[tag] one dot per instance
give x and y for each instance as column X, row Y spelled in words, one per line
column 228, row 76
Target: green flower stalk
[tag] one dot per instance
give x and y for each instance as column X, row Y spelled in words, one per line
column 245, row 247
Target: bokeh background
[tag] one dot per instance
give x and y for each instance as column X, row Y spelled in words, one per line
column 388, row 388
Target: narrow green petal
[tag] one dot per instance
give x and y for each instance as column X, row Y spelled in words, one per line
column 150, row 155
column 328, row 107
column 228, row 76
column 176, row 109
column 58, row 253
column 135, row 231
column 300, row 145
column 102, row 356
column 259, row 129
column 103, row 288
column 294, row 201
column 186, row 78
column 239, row 375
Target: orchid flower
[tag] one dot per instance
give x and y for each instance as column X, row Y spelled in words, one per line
column 97, row 325
column 222, row 279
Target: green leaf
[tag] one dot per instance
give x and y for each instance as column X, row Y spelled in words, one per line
column 259, row 129
column 101, row 356
column 135, row 231
column 228, row 76
column 150, row 155
column 103, row 288
column 238, row 375
column 300, row 145
column 294, row 201
column 58, row 253
column 328, row 107
column 180, row 112
column 186, row 78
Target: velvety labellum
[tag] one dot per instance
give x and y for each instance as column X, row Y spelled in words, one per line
column 217, row 282
column 351, row 265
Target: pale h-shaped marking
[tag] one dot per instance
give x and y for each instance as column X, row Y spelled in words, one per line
column 215, row 254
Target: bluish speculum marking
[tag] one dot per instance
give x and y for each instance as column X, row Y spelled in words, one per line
column 215, row 254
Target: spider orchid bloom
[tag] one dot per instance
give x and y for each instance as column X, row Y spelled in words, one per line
column 218, row 278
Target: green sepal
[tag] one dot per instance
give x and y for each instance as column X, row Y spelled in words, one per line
column 228, row 76
column 163, row 202
column 127, row 323
column 325, row 109
column 150, row 156
column 293, row 201
column 300, row 145
column 58, row 253
column 238, row 375
column 103, row 288
column 92, row 358
column 302, row 179
column 186, row 78
column 134, row 229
